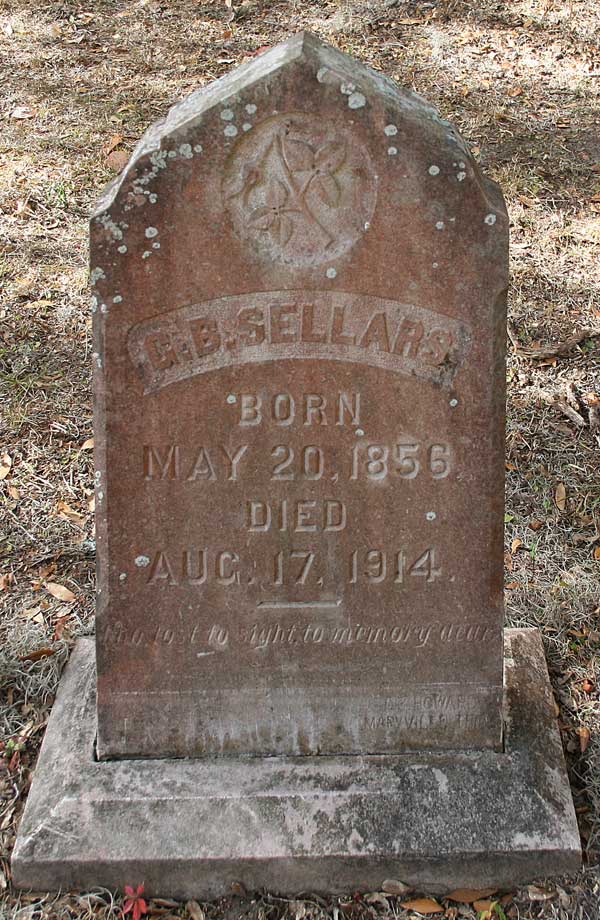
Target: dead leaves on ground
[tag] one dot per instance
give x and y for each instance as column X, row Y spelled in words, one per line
column 5, row 465
column 60, row 592
column 560, row 497
column 423, row 906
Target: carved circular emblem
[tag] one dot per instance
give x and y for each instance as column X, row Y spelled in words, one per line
column 302, row 191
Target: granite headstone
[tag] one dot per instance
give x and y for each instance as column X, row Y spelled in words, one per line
column 299, row 325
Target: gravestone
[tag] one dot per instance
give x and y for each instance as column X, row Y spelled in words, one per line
column 299, row 320
column 300, row 295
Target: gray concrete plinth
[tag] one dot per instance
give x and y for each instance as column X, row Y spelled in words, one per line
column 327, row 824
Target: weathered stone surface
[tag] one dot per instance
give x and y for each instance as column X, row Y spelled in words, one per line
column 329, row 824
column 299, row 326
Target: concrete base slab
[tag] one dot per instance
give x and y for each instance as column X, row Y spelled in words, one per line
column 325, row 824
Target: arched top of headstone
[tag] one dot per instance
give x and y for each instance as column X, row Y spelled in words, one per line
column 326, row 128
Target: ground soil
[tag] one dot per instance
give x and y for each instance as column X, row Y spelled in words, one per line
column 521, row 80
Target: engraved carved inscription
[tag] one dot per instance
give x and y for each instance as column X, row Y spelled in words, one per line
column 299, row 190
column 278, row 325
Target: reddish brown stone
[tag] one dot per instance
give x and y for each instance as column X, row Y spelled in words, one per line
column 299, row 326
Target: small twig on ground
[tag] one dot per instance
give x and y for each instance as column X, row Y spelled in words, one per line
column 550, row 351
column 571, row 413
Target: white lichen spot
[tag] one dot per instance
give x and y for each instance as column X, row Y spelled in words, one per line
column 434, row 170
column 172, row 154
column 461, row 166
column 198, row 148
column 347, row 88
column 227, row 115
column 392, row 151
column 356, row 101
column 359, row 433
column 122, row 250
column 146, row 254
column 150, row 233
column 156, row 245
column 439, row 225
column 490, row 219
column 152, row 198
column 158, row 160
column 103, row 308
column 331, row 272
column 109, row 224
column 322, row 74
column 454, row 403
column 186, row 151
column 230, row 131
column 97, row 359
column 460, row 176
column 118, row 299
column 123, row 576
column 97, row 274
column 98, row 475
column 390, row 130
column 250, row 108
column 367, row 224
column 142, row 562
column 100, row 497
column 431, row 515
column 231, row 399
column 435, row 265
column 94, row 303
column 246, row 126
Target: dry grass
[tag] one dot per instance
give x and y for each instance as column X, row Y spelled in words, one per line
column 521, row 79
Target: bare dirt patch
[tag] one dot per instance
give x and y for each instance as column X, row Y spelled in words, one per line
column 521, row 79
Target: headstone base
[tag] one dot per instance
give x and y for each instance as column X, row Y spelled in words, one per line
column 324, row 824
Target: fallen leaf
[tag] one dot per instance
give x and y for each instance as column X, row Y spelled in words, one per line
column 539, row 894
column 515, row 91
column 423, row 906
column 194, row 910
column 511, row 467
column 92, row 503
column 33, row 613
column 6, row 581
column 513, row 585
column 516, row 545
column 5, row 465
column 536, row 525
column 597, row 553
column 393, row 886
column 60, row 626
column 468, row 895
column 588, row 686
column 584, row 738
column 38, row 654
column 22, row 112
column 484, row 905
column 14, row 492
column 88, row 445
column 113, row 143
column 59, row 592
column 117, row 160
column 47, row 570
column 69, row 514
column 560, row 497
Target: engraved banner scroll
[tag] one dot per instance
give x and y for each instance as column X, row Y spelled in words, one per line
column 277, row 325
